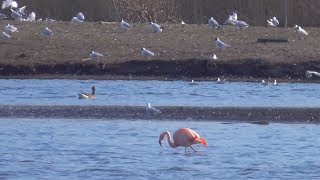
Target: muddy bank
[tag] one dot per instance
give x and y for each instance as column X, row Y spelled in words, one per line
column 192, row 68
column 181, row 51
column 261, row 115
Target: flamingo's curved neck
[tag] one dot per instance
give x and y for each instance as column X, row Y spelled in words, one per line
column 171, row 143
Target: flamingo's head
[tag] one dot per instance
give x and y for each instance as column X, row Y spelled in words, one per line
column 201, row 140
column 161, row 137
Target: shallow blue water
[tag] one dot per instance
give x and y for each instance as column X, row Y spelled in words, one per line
column 134, row 92
column 121, row 149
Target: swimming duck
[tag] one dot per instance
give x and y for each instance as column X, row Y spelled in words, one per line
column 88, row 95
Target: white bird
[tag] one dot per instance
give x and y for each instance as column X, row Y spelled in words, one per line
column 241, row 25
column 220, row 44
column 155, row 28
column 273, row 22
column 21, row 10
column 193, row 82
column 80, row 16
column 309, row 74
column 5, row 36
column 146, row 52
column 15, row 15
column 263, row 82
column 150, row 109
column 2, row 16
column 234, row 15
column 95, row 55
column 125, row 25
column 300, row 30
column 31, row 17
column 213, row 56
column 182, row 22
column 10, row 28
column 213, row 23
column 220, row 82
column 75, row 20
column 9, row 3
column 47, row 32
column 275, row 82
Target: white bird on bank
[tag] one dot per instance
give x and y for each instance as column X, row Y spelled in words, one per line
column 15, row 15
column 95, row 55
column 5, row 36
column 213, row 23
column 155, row 28
column 10, row 28
column 193, row 82
column 299, row 30
column 220, row 44
column 241, row 25
column 220, row 82
column 80, row 16
column 213, row 56
column 75, row 20
column 2, row 16
column 9, row 4
column 273, row 22
column 182, row 22
column 152, row 110
column 31, row 17
column 21, row 10
column 147, row 53
column 275, row 82
column 309, row 74
column 234, row 15
column 232, row 19
column 125, row 25
column 47, row 32
column 263, row 82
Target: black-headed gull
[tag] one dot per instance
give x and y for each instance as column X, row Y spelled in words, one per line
column 47, row 32
column 309, row 74
column 182, row 22
column 80, row 16
column 146, row 52
column 10, row 28
column 273, row 22
column 155, row 28
column 220, row 82
column 95, row 55
column 241, row 25
column 213, row 23
column 9, row 4
column 299, row 30
column 5, row 36
column 31, row 17
column 125, row 25
column 220, row 44
column 150, row 109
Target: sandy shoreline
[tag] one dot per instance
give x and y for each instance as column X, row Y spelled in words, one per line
column 259, row 115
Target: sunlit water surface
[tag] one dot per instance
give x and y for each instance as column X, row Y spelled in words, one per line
column 135, row 92
column 122, row 149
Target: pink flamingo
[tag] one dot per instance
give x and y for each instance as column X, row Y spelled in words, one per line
column 183, row 137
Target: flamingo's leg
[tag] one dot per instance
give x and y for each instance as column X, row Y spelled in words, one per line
column 185, row 150
column 193, row 149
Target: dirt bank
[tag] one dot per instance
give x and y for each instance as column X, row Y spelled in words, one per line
column 258, row 115
column 182, row 51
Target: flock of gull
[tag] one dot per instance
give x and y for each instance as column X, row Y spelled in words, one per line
column 20, row 15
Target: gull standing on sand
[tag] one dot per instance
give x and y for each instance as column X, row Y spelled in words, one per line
column 47, row 32
column 232, row 19
column 152, row 110
column 9, row 3
column 213, row 56
column 31, row 17
column 80, row 16
column 155, row 28
column 299, row 30
column 273, row 22
column 220, row 44
column 309, row 74
column 241, row 25
column 147, row 53
column 10, row 28
column 95, row 55
column 5, row 36
column 182, row 22
column 2, row 16
column 125, row 25
column 213, row 23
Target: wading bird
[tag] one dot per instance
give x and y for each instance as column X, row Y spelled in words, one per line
column 183, row 137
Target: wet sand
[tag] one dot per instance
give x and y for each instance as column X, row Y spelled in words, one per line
column 258, row 115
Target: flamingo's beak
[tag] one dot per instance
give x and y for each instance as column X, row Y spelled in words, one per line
column 160, row 143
